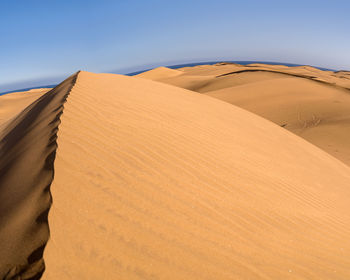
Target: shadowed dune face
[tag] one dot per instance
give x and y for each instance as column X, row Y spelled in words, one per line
column 157, row 182
column 309, row 102
column 27, row 152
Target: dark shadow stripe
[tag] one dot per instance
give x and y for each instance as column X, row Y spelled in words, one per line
column 29, row 141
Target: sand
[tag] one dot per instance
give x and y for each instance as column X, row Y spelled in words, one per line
column 153, row 181
column 27, row 153
column 309, row 102
column 14, row 103
column 160, row 73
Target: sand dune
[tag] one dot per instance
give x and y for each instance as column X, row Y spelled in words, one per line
column 309, row 102
column 27, row 153
column 160, row 73
column 318, row 113
column 337, row 79
column 170, row 184
column 14, row 103
column 157, row 182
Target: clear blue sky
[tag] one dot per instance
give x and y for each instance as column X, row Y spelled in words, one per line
column 44, row 41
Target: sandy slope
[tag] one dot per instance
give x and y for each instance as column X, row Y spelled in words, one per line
column 160, row 73
column 309, row 102
column 27, row 152
column 318, row 113
column 156, row 182
column 14, row 103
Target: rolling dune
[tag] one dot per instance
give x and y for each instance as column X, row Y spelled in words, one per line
column 309, row 102
column 160, row 73
column 157, row 182
column 165, row 183
column 12, row 104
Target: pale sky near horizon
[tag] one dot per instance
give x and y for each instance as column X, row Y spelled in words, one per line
column 45, row 41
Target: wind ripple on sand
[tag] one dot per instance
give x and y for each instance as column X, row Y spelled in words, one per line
column 157, row 182
column 309, row 102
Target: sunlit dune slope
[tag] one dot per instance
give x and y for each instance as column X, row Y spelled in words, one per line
column 157, row 182
column 309, row 102
column 318, row 113
column 160, row 73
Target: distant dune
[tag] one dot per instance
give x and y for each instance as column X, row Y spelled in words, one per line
column 154, row 181
column 309, row 102
column 14, row 103
column 160, row 73
column 27, row 153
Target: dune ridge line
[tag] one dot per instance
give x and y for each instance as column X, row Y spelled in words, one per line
column 153, row 181
column 158, row 182
column 27, row 153
column 304, row 76
column 309, row 102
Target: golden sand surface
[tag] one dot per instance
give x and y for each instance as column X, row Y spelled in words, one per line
column 155, row 181
column 309, row 102
column 12, row 104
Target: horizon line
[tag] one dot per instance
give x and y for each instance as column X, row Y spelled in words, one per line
column 148, row 67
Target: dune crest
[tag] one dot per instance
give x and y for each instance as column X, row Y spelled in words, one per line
column 309, row 102
column 159, row 73
column 27, row 152
column 157, row 182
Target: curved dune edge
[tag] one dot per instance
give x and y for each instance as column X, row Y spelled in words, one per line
column 312, row 103
column 157, row 182
column 159, row 73
column 27, row 153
